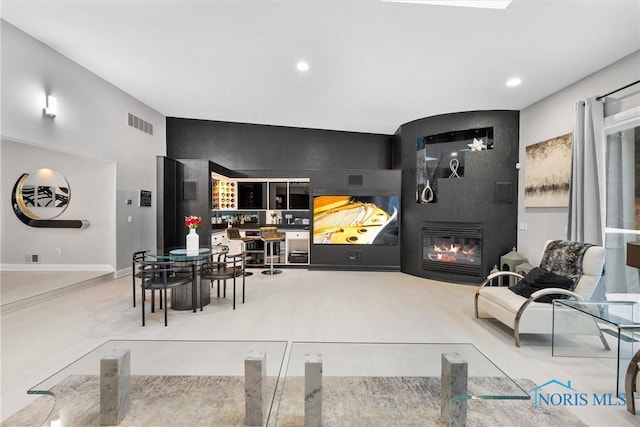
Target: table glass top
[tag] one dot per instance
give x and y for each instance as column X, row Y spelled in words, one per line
column 179, row 382
column 180, row 253
column 622, row 314
column 362, row 379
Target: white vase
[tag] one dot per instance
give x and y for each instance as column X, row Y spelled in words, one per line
column 193, row 242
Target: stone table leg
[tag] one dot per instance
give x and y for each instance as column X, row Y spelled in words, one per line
column 313, row 390
column 255, row 383
column 454, row 383
column 114, row 387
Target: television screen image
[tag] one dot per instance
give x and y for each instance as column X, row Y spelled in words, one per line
column 355, row 220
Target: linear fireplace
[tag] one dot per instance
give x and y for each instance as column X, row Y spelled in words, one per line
column 453, row 247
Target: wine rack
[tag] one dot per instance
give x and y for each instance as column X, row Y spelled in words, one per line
column 225, row 195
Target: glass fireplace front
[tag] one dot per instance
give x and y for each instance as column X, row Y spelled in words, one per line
column 453, row 248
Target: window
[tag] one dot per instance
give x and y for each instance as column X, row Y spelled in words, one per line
column 622, row 132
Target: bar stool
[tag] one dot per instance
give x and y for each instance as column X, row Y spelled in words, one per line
column 233, row 233
column 269, row 235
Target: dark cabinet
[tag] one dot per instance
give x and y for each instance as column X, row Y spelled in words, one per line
column 252, row 195
column 278, row 195
column 299, row 195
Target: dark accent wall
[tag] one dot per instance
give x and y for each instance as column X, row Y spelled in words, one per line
column 169, row 176
column 251, row 147
column 387, row 162
column 474, row 198
column 184, row 188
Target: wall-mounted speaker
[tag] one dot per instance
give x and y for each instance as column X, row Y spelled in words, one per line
column 503, row 193
column 355, row 180
column 190, row 190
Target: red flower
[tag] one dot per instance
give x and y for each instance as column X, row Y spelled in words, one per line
column 192, row 221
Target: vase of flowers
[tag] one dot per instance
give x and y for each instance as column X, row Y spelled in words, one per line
column 193, row 240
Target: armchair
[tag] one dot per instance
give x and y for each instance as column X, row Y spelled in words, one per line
column 582, row 263
column 630, row 382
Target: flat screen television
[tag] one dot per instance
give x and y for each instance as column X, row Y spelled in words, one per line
column 356, row 220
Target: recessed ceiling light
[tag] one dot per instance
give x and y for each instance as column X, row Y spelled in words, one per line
column 302, row 66
column 488, row 4
column 515, row 81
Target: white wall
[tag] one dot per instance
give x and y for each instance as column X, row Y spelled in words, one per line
column 551, row 117
column 91, row 123
column 79, row 248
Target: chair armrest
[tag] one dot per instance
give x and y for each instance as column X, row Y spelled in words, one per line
column 212, row 265
column 534, row 296
column 553, row 291
column 487, row 282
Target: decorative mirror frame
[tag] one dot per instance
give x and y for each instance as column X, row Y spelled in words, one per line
column 41, row 195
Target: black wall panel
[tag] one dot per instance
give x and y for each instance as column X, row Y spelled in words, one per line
column 480, row 196
column 196, row 201
column 250, row 147
column 339, row 160
column 169, row 178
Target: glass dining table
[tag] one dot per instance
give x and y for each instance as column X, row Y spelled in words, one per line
column 195, row 294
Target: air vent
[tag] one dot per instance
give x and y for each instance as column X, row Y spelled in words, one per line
column 138, row 123
column 32, row 259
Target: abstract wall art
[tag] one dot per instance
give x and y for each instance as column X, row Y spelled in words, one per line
column 548, row 173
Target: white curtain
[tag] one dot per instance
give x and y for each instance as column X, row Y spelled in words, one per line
column 621, row 201
column 587, row 197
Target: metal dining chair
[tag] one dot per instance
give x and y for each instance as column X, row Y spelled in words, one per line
column 227, row 267
column 137, row 257
column 160, row 276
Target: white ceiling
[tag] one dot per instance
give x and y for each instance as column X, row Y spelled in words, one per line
column 374, row 65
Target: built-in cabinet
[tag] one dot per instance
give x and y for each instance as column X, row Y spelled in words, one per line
column 265, row 201
column 259, row 194
column 251, row 195
column 293, row 250
column 297, row 247
column 244, row 202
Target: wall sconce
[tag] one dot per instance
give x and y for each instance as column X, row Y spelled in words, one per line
column 51, row 109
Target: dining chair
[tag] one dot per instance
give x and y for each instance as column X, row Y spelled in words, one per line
column 227, row 267
column 160, row 276
column 137, row 257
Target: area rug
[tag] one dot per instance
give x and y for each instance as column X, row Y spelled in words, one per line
column 346, row 401
column 413, row 401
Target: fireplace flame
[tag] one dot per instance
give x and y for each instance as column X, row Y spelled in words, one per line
column 451, row 252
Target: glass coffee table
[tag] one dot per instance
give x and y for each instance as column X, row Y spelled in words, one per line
column 201, row 383
column 193, row 383
column 581, row 329
column 381, row 384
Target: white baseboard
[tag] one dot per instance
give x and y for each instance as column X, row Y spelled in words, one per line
column 122, row 272
column 56, row 267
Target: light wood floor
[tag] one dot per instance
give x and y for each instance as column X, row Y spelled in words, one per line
column 18, row 288
column 297, row 305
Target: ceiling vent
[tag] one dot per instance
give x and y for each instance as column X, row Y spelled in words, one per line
column 140, row 124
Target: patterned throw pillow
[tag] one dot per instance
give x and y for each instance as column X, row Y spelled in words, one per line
column 565, row 258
